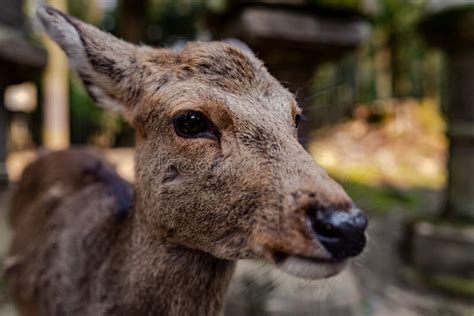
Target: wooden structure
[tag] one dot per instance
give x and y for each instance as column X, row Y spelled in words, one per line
column 442, row 250
column 20, row 61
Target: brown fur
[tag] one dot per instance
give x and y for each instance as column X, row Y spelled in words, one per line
column 200, row 204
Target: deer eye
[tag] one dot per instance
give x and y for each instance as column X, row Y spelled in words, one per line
column 193, row 124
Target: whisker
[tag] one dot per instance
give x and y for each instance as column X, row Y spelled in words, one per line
column 320, row 91
column 302, row 286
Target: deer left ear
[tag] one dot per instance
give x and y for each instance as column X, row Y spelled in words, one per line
column 106, row 64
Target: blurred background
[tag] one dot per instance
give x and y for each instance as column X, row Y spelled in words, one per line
column 387, row 89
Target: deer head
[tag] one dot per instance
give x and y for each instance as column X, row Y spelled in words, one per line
column 218, row 164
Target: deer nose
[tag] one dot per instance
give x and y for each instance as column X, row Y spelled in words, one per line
column 341, row 232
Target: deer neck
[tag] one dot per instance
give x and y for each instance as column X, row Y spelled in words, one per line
column 169, row 279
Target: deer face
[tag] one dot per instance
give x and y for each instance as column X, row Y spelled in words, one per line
column 219, row 167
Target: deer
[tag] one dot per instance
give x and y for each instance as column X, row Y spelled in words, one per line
column 220, row 176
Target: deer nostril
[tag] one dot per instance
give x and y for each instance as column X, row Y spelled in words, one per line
column 342, row 233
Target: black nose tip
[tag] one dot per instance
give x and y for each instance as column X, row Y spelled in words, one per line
column 342, row 233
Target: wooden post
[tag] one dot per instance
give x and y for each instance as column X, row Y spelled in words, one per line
column 448, row 29
column 460, row 191
column 3, row 142
column 56, row 103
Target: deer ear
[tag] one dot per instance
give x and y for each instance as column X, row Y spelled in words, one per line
column 105, row 64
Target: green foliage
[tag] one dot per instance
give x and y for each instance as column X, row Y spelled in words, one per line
column 92, row 124
column 85, row 116
column 396, row 30
column 333, row 88
column 80, row 9
column 349, row 4
column 399, row 16
column 394, row 62
column 170, row 21
column 376, row 199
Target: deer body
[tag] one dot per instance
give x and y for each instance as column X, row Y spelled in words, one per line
column 220, row 176
column 86, row 261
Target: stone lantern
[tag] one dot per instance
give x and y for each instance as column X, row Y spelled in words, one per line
column 20, row 61
column 441, row 250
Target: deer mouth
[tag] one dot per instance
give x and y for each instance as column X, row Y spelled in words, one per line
column 310, row 268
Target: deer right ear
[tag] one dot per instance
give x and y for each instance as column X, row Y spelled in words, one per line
column 106, row 65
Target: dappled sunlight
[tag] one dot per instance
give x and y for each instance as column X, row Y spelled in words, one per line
column 406, row 147
column 17, row 161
